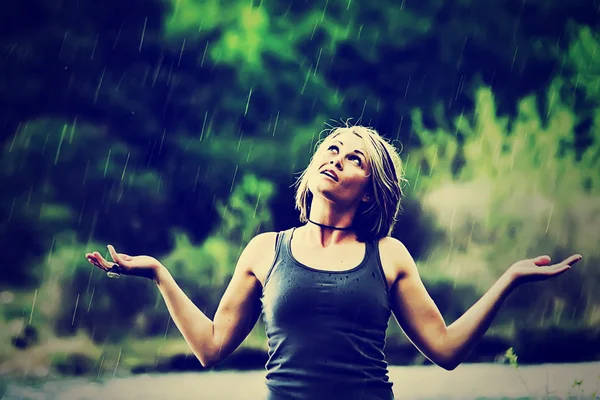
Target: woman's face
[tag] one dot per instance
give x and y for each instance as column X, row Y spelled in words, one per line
column 340, row 170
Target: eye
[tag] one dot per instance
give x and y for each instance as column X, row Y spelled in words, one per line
column 333, row 148
column 357, row 159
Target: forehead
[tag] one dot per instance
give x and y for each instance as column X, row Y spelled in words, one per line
column 350, row 139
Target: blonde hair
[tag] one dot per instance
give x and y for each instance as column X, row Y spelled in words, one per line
column 376, row 218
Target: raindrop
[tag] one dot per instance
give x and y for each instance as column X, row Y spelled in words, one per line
column 314, row 30
column 125, row 167
column 118, row 35
column 120, row 80
column 233, row 180
column 51, row 248
column 204, row 54
column 324, row 10
column 549, row 218
column 239, row 141
column 87, row 165
column 167, row 328
column 514, row 58
column 196, row 180
column 63, row 43
column 75, row 310
column 157, row 71
column 143, row 33
column 275, row 125
column 11, row 208
column 161, row 141
column 318, row 60
column 91, row 298
column 203, row 125
column 181, row 52
column 33, row 306
column 256, row 206
column 99, row 85
column 72, row 133
column 248, row 102
column 452, row 219
column 94, row 49
column 118, row 361
column 106, row 164
column 169, row 82
column 100, row 367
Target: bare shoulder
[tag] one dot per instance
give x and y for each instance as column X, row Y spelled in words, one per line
column 259, row 254
column 261, row 241
column 396, row 260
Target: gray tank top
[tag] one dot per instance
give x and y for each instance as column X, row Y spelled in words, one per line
column 326, row 329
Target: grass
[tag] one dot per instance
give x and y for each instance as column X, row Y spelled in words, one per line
column 576, row 392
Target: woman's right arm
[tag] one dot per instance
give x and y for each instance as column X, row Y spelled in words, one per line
column 238, row 311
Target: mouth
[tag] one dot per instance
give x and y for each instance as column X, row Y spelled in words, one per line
column 330, row 174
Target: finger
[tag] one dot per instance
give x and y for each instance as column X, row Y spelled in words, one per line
column 102, row 260
column 569, row 261
column 97, row 264
column 541, row 260
column 572, row 260
column 113, row 254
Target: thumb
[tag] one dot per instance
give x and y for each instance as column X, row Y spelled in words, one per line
column 113, row 254
column 541, row 260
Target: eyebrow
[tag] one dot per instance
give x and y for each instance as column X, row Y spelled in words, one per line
column 356, row 151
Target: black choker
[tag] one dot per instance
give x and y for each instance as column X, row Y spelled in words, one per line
column 349, row 228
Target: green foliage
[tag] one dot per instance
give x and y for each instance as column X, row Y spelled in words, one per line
column 203, row 271
column 508, row 188
column 582, row 60
column 245, row 214
column 247, row 211
column 511, row 357
column 136, row 129
column 72, row 364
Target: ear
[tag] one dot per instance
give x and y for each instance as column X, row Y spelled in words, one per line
column 366, row 198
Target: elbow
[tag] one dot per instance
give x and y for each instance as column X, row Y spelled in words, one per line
column 446, row 356
column 207, row 359
column 448, row 365
column 207, row 362
column 204, row 362
column 448, row 362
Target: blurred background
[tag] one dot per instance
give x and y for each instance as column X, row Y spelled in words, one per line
column 176, row 129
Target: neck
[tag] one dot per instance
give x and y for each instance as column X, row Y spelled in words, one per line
column 336, row 228
column 328, row 224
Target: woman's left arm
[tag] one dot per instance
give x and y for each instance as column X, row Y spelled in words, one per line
column 421, row 320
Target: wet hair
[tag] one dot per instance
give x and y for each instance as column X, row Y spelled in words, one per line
column 377, row 217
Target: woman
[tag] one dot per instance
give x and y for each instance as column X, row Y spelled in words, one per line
column 327, row 289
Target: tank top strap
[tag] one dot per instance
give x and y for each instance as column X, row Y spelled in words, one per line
column 374, row 261
column 286, row 239
column 281, row 241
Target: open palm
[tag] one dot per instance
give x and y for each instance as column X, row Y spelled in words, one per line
column 539, row 268
column 123, row 264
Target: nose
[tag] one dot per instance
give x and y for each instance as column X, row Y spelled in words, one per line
column 337, row 162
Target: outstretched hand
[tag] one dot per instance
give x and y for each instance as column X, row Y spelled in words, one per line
column 539, row 268
column 123, row 264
